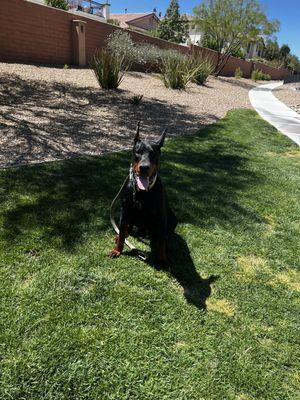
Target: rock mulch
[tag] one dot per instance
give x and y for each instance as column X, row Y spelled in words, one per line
column 50, row 113
column 289, row 94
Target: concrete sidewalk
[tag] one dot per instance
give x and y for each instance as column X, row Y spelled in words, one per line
column 275, row 112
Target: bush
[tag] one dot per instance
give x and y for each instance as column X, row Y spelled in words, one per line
column 258, row 75
column 145, row 54
column 149, row 55
column 152, row 56
column 136, row 100
column 113, row 21
column 121, row 44
column 62, row 4
column 178, row 70
column 238, row 73
column 204, row 69
column 239, row 53
column 109, row 68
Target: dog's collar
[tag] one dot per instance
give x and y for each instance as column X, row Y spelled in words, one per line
column 132, row 177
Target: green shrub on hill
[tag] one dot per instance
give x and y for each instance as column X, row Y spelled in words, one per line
column 62, row 4
column 258, row 75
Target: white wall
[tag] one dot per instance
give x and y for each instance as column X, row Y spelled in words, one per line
column 195, row 35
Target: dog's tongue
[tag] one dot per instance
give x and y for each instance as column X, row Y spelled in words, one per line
column 143, row 183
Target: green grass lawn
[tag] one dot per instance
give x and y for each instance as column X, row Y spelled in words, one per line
column 221, row 323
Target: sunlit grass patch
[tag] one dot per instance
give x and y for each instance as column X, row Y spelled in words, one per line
column 221, row 306
column 250, row 267
column 290, row 279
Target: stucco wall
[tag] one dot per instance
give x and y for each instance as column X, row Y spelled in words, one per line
column 35, row 33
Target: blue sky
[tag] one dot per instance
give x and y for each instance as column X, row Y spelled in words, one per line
column 286, row 11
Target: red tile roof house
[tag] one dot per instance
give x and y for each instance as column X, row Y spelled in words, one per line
column 140, row 22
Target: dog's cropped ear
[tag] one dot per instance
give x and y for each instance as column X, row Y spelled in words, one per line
column 161, row 139
column 137, row 133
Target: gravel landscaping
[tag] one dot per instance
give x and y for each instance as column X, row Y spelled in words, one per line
column 289, row 96
column 54, row 113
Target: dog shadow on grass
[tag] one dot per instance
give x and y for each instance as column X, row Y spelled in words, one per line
column 181, row 266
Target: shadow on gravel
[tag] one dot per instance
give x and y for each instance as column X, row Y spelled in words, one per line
column 238, row 82
column 43, row 120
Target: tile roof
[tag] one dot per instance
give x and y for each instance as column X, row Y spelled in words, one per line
column 124, row 19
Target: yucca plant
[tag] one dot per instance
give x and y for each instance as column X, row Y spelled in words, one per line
column 238, row 73
column 258, row 75
column 177, row 70
column 204, row 68
column 136, row 100
column 109, row 68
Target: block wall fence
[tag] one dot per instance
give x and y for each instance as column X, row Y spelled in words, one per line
column 34, row 33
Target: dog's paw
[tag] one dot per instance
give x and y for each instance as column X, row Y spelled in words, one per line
column 161, row 264
column 114, row 253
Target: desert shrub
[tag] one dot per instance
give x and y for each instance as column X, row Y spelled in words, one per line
column 258, row 75
column 204, row 68
column 144, row 54
column 238, row 73
column 121, row 44
column 62, row 4
column 109, row 68
column 136, row 100
column 148, row 54
column 152, row 56
column 113, row 21
column 177, row 70
column 238, row 53
column 266, row 77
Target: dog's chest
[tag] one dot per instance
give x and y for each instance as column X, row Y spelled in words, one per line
column 145, row 209
column 145, row 206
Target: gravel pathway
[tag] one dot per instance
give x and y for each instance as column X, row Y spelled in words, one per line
column 53, row 113
column 289, row 96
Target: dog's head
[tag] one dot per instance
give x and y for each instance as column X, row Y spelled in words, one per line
column 146, row 158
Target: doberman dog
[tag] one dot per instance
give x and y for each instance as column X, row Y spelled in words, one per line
column 144, row 200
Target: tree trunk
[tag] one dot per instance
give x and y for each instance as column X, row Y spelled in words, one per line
column 222, row 61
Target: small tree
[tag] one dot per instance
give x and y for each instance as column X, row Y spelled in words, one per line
column 293, row 63
column 173, row 27
column 271, row 50
column 231, row 24
column 62, row 4
column 284, row 51
column 284, row 54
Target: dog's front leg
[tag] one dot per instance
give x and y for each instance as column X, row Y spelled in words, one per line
column 159, row 245
column 161, row 249
column 123, row 233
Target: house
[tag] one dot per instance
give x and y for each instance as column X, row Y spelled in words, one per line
column 137, row 21
column 195, row 33
column 92, row 7
column 97, row 11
